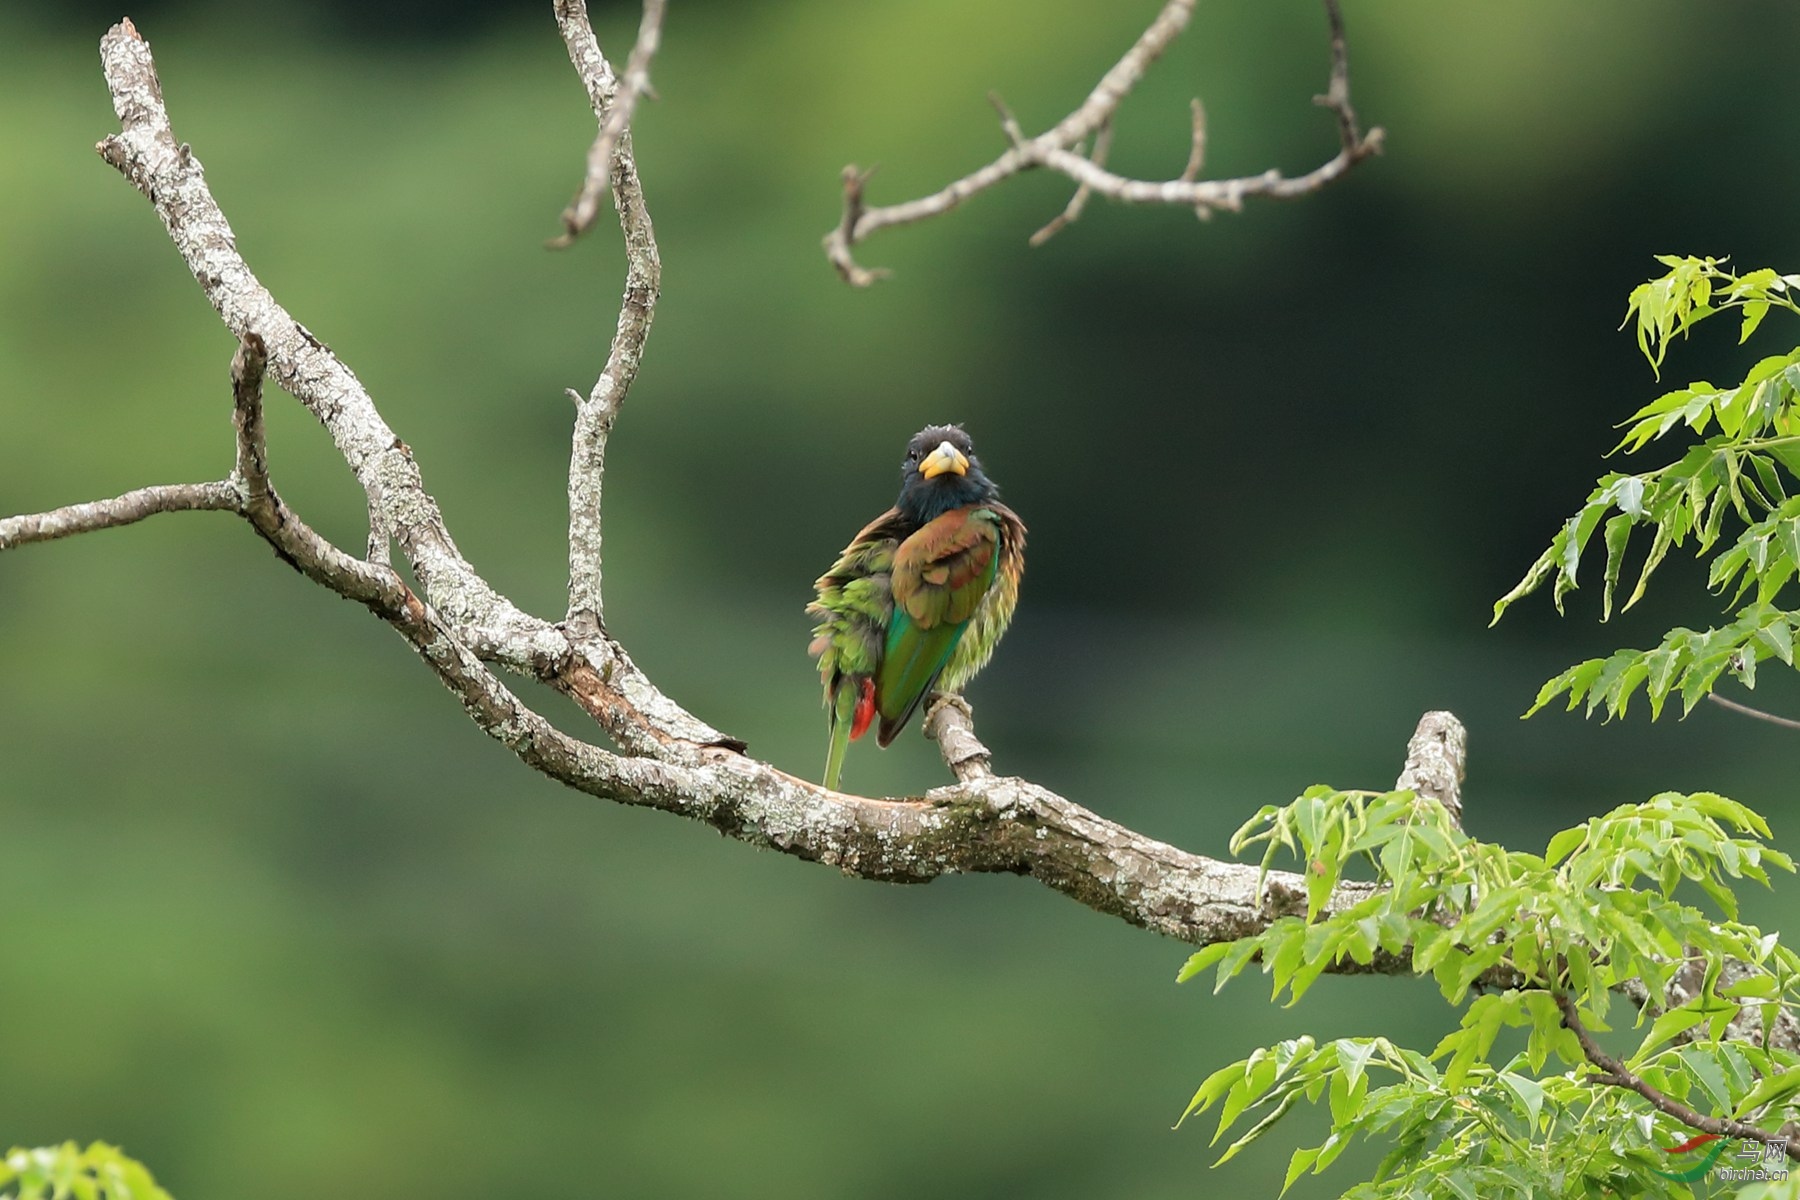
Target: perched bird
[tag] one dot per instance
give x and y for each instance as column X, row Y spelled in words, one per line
column 918, row 600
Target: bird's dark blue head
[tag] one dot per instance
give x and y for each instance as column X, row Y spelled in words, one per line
column 941, row 473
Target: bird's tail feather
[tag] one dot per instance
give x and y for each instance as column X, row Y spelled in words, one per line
column 843, row 714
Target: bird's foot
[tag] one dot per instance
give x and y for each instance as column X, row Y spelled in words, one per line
column 938, row 700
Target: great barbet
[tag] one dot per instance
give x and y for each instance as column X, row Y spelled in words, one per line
column 918, row 600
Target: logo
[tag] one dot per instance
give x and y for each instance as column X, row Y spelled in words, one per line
column 1752, row 1162
column 1701, row 1167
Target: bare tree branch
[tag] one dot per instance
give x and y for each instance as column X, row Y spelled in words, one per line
column 950, row 722
column 1613, row 1072
column 1434, row 761
column 614, row 102
column 596, row 412
column 128, row 509
column 1056, row 149
column 1759, row 714
column 634, row 713
column 247, row 367
column 1071, row 212
column 1196, row 148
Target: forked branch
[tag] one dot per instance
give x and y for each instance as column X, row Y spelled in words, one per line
column 610, row 163
column 1611, row 1071
column 615, row 103
column 1060, row 149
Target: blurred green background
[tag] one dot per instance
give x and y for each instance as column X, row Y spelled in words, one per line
column 279, row 920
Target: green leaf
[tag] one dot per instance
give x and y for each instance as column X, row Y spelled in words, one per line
column 1430, row 944
column 1354, row 1055
column 1260, row 1128
column 1253, row 1082
column 1533, row 579
column 1659, row 546
column 1210, row 1089
column 1759, row 987
column 1576, row 681
column 1564, row 844
column 1770, row 1088
column 1669, row 1025
column 1778, row 636
column 1201, row 959
column 1236, row 956
column 1618, row 532
column 1297, row 1165
column 1754, row 312
column 1529, row 1092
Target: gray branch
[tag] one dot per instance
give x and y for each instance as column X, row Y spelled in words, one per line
column 128, row 509
column 1058, row 149
column 1746, row 710
column 615, row 101
column 1434, row 761
column 596, row 412
column 635, row 714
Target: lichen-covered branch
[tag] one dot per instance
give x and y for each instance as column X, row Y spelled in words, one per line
column 128, row 509
column 615, row 101
column 596, row 412
column 1434, row 761
column 145, row 150
column 1058, row 149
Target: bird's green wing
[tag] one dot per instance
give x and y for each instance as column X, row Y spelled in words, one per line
column 854, row 608
column 940, row 575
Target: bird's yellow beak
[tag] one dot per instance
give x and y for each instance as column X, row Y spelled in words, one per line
column 945, row 458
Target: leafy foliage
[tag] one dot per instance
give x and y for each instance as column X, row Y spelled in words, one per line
column 1504, row 934
column 1742, row 472
column 67, row 1172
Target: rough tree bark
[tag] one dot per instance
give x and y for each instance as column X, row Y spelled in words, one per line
column 663, row 757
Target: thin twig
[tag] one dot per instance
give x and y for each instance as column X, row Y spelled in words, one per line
column 1197, row 147
column 622, row 101
column 1615, row 1073
column 247, row 368
column 838, row 242
column 1055, row 149
column 147, row 153
column 1072, row 211
column 596, row 412
column 1337, row 92
column 128, row 509
column 1009, row 124
column 1759, row 714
